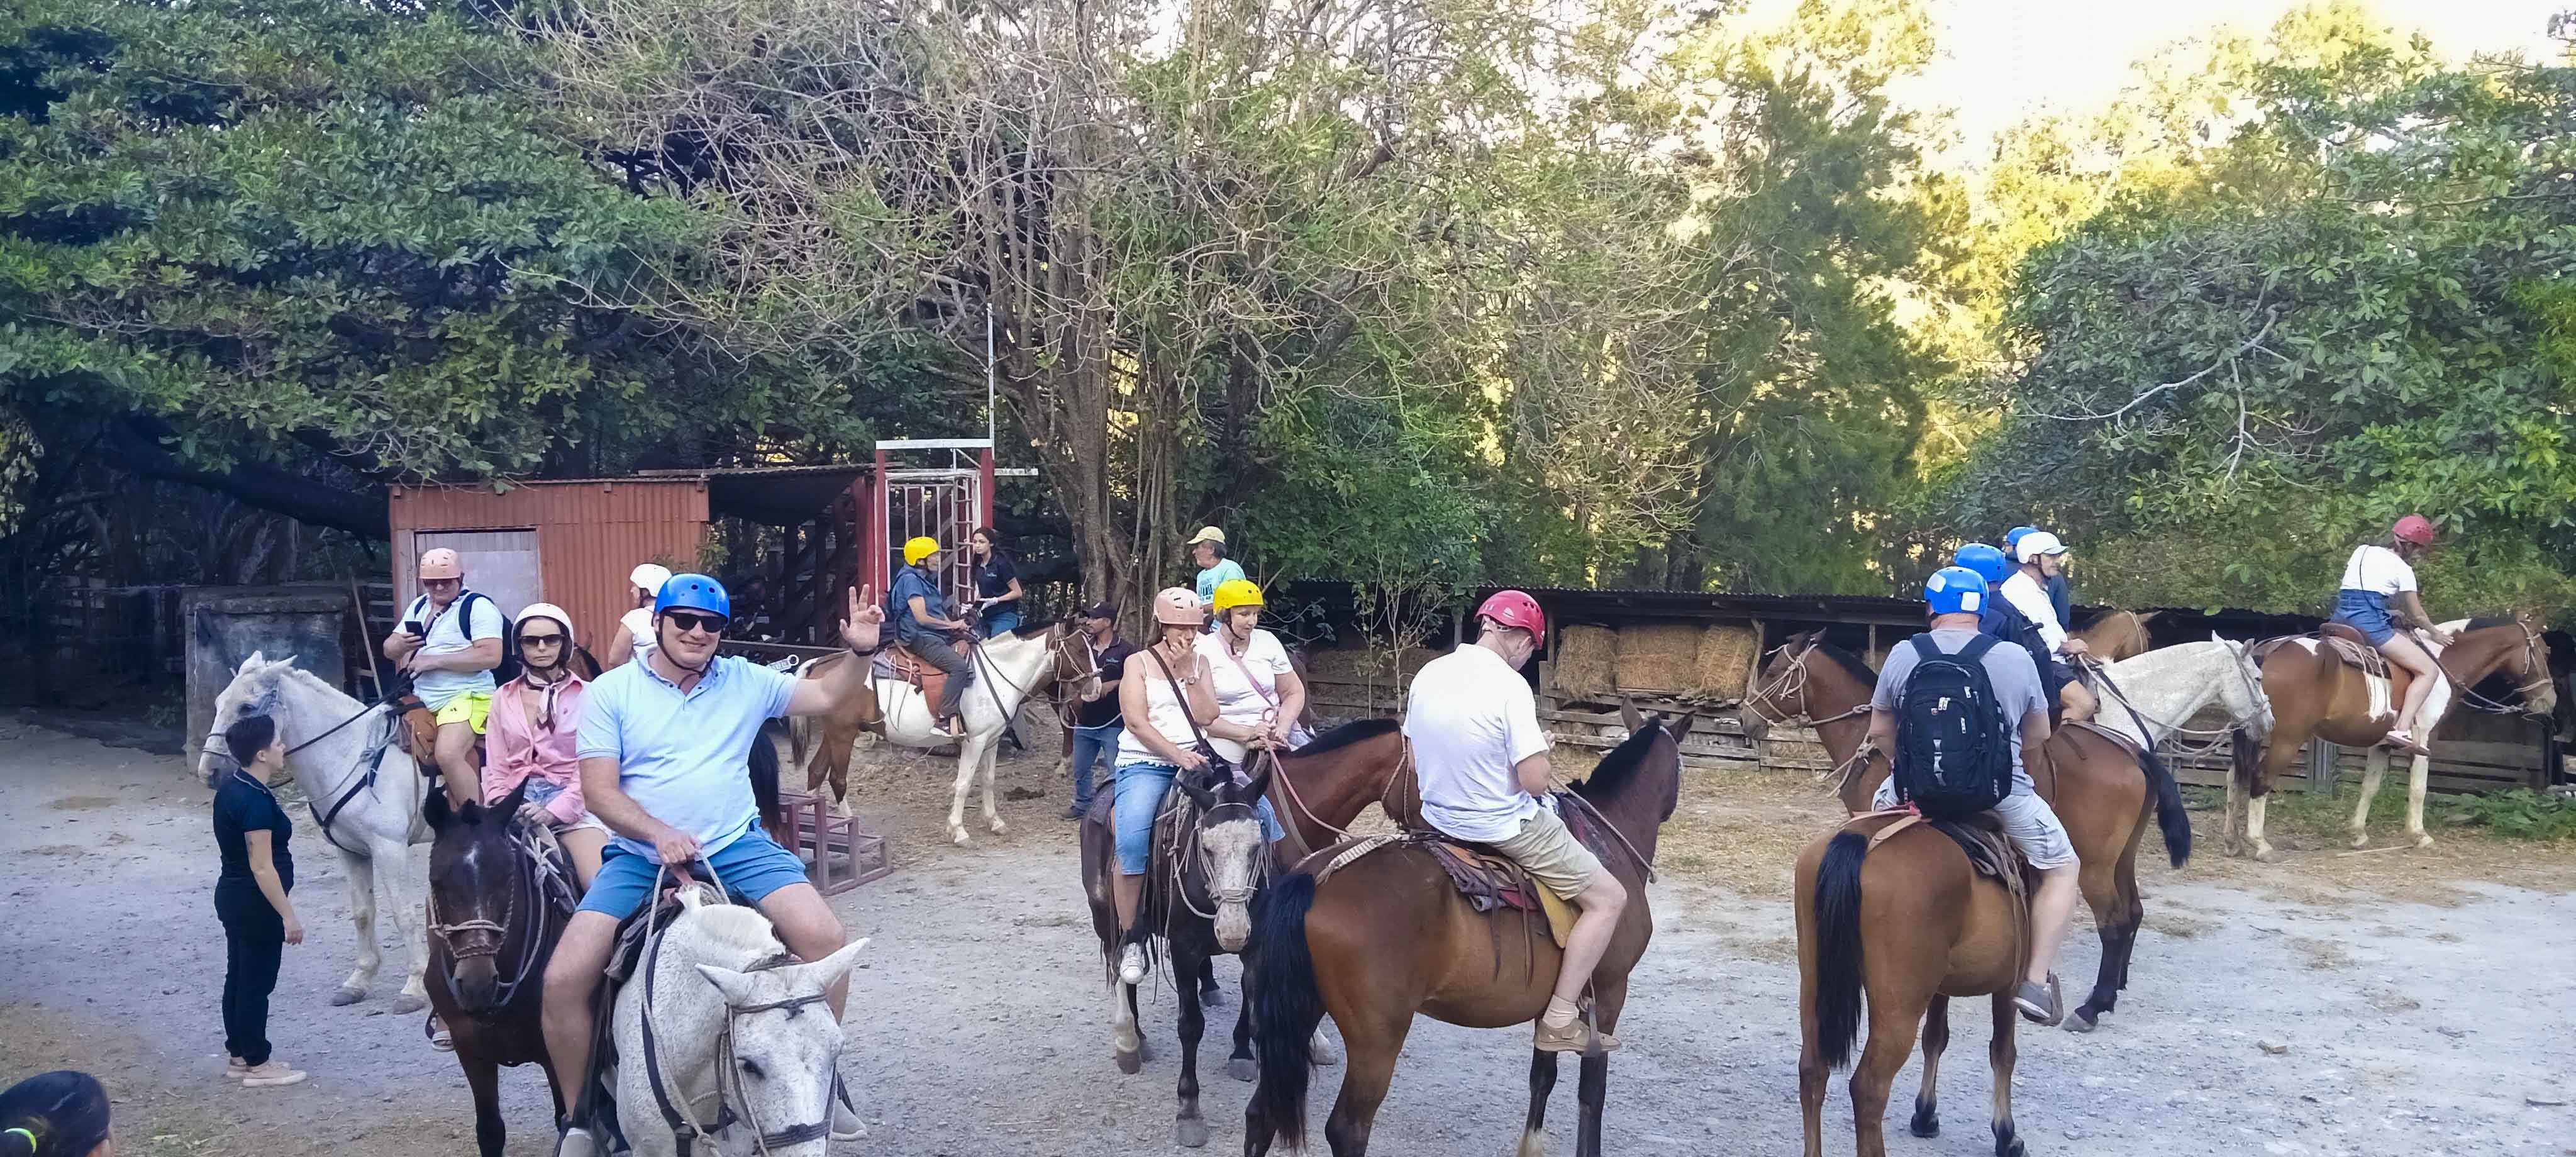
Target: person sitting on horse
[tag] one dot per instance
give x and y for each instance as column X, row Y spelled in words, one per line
column 1997, row 616
column 1258, row 694
column 450, row 659
column 997, row 582
column 1481, row 758
column 634, row 633
column 926, row 626
column 1953, row 596
column 1207, row 549
column 535, row 719
column 1168, row 704
column 665, row 744
column 2042, row 558
column 2379, row 594
column 2061, row 594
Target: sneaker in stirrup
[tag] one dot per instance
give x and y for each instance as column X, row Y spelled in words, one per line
column 1131, row 964
column 846, row 1125
column 1577, row 1036
column 576, row 1142
column 269, row 1074
column 2038, row 1004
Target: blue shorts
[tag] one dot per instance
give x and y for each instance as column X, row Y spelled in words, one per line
column 1137, row 798
column 753, row 866
column 2367, row 611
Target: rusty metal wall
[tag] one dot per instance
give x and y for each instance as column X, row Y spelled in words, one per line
column 589, row 534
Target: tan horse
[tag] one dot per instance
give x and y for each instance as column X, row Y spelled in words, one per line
column 828, row 738
column 2116, row 635
column 2100, row 791
column 2314, row 693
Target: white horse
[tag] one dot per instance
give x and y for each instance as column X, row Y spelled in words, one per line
column 2169, row 685
column 1008, row 669
column 742, row 1042
column 365, row 794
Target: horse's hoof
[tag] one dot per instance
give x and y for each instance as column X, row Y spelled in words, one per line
column 957, row 835
column 2263, row 854
column 2423, row 841
column 1131, row 1062
column 407, row 1003
column 997, row 826
column 2079, row 1021
column 1211, row 998
column 2361, row 839
column 2008, row 1147
column 1243, row 1069
column 2232, row 848
column 345, row 995
column 1190, row 1133
column 1925, row 1124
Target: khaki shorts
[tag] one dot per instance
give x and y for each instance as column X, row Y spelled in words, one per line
column 471, row 708
column 1550, row 853
column 2029, row 822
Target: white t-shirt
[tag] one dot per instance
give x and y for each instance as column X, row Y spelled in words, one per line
column 1472, row 719
column 446, row 635
column 2031, row 599
column 1165, row 712
column 639, row 624
column 2377, row 569
column 1246, row 685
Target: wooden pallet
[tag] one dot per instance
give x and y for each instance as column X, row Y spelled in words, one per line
column 839, row 854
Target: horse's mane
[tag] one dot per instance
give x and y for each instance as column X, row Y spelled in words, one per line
column 1850, row 663
column 735, row 926
column 1355, row 731
column 1617, row 768
column 274, row 669
column 2484, row 622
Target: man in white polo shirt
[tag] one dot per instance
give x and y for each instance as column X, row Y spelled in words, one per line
column 2042, row 556
column 1481, row 758
column 448, row 641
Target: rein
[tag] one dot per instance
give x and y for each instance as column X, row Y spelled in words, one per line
column 681, row 1114
column 2531, row 660
column 533, row 881
column 1760, row 704
column 1195, row 850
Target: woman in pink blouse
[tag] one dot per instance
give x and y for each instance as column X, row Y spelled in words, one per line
column 535, row 719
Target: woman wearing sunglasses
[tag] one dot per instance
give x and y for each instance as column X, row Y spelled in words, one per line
column 535, row 720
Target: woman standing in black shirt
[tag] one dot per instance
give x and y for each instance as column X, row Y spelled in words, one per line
column 997, row 582
column 251, row 831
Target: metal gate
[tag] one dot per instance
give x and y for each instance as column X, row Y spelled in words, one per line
column 940, row 488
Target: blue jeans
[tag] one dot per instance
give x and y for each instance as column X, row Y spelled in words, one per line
column 999, row 620
column 1138, row 796
column 753, row 865
column 1092, row 745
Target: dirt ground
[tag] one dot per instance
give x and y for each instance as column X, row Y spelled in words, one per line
column 2418, row 997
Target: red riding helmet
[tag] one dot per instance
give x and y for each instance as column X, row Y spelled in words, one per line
column 2414, row 528
column 1515, row 609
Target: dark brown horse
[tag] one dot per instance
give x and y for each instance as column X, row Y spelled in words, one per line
column 1388, row 936
column 2314, row 693
column 2100, row 791
column 493, row 920
column 1914, row 924
column 1316, row 791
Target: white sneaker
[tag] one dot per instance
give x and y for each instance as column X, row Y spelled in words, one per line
column 846, row 1125
column 576, row 1143
column 269, row 1074
column 1131, row 964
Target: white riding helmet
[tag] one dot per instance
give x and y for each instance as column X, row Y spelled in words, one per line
column 2037, row 543
column 550, row 611
column 649, row 576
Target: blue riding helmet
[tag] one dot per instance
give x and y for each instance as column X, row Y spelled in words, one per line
column 1954, row 590
column 1988, row 562
column 2012, row 538
column 693, row 592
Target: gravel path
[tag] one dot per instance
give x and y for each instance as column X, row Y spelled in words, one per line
column 978, row 1021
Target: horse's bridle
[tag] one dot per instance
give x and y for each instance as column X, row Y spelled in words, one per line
column 1055, row 644
column 1760, row 700
column 533, row 887
column 1198, row 849
column 2533, row 659
column 678, row 1112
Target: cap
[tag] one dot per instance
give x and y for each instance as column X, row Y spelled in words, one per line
column 1207, row 534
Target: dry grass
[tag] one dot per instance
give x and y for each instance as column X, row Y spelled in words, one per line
column 2179, row 925
column 1659, row 657
column 1587, row 663
column 2307, row 832
column 1724, row 660
column 1743, row 830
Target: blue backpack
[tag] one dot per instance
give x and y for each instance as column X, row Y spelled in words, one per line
column 1954, row 754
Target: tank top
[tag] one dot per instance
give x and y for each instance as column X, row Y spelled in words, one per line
column 1164, row 711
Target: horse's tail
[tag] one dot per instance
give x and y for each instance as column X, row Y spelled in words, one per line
column 2245, row 757
column 1286, row 1007
column 764, row 784
column 2171, row 815
column 1838, row 947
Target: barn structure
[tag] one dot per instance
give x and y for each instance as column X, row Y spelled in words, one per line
column 1695, row 650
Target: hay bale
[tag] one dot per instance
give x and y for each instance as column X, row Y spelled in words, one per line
column 1725, row 658
column 1587, row 662
column 1659, row 657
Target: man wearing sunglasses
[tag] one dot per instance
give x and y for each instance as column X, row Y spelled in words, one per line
column 665, row 762
column 449, row 657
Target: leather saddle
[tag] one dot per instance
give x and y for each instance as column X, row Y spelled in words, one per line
column 420, row 734
column 2346, row 642
column 1489, row 882
column 899, row 662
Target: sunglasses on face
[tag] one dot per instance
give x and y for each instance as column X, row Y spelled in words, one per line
column 541, row 640
column 688, row 621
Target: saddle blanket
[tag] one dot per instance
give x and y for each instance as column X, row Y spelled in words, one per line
column 1488, row 880
column 1989, row 851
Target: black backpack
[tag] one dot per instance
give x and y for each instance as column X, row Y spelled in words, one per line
column 1954, row 754
column 509, row 668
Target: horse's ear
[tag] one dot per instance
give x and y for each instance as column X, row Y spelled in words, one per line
column 1260, row 785
column 250, row 664
column 736, row 986
column 434, row 809
column 830, row 969
column 1682, row 728
column 509, row 805
column 1198, row 793
column 2146, row 617
column 1629, row 715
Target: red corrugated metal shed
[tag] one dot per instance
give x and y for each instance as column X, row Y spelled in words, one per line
column 589, row 534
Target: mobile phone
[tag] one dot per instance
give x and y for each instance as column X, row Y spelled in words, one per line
column 412, row 628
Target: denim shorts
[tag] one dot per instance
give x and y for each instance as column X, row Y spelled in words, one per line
column 752, row 866
column 1138, row 797
column 2367, row 611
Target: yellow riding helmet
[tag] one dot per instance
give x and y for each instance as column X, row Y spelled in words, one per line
column 1234, row 593
column 918, row 549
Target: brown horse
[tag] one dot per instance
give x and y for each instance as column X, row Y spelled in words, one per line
column 2115, row 635
column 2100, row 790
column 1388, row 936
column 2314, row 693
column 1914, row 924
column 493, row 922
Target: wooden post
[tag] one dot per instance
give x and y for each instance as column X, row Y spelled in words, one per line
column 2322, row 769
column 1752, row 681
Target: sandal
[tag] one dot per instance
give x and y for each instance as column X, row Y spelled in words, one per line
column 2405, row 741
